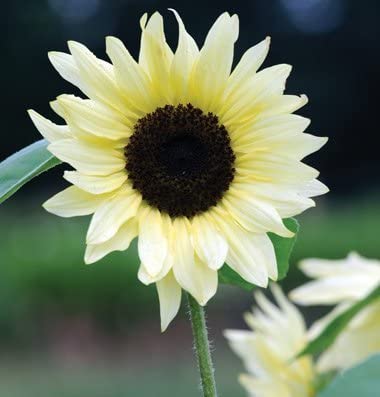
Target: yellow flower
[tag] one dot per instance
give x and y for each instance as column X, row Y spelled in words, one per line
column 198, row 162
column 343, row 282
column 277, row 335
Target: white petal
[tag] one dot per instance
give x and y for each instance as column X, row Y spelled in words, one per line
column 193, row 276
column 74, row 202
column 243, row 254
column 96, row 184
column 94, row 119
column 183, row 62
column 213, row 68
column 86, row 158
column 152, row 244
column 254, row 215
column 119, row 242
column 50, row 131
column 209, row 244
column 169, row 294
column 130, row 76
column 111, row 215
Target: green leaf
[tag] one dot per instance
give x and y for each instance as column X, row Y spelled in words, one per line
column 362, row 380
column 336, row 326
column 22, row 166
column 228, row 276
column 283, row 248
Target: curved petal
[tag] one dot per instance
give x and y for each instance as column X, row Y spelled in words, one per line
column 183, row 62
column 247, row 67
column 96, row 184
column 74, row 202
column 94, row 119
column 169, row 294
column 254, row 95
column 192, row 275
column 65, row 65
column 143, row 275
column 119, row 242
column 112, row 214
column 209, row 244
column 99, row 81
column 213, row 67
column 152, row 244
column 155, row 55
column 285, row 199
column 130, row 76
column 243, row 254
column 50, row 131
column 86, row 158
column 270, row 167
column 253, row 214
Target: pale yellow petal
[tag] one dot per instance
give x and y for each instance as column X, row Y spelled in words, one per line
column 155, row 55
column 255, row 94
column 119, row 242
column 50, row 131
column 253, row 214
column 209, row 244
column 96, row 184
column 169, row 294
column 260, row 133
column 74, row 202
column 285, row 199
column 274, row 168
column 94, row 119
column 99, row 81
column 248, row 65
column 243, row 254
column 131, row 77
column 144, row 276
column 183, row 62
column 152, row 244
column 213, row 67
column 65, row 65
column 88, row 159
column 194, row 276
column 112, row 214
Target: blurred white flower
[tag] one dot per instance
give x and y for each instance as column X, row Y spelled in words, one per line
column 343, row 282
column 277, row 334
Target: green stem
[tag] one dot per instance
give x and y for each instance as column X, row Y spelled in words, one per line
column 202, row 347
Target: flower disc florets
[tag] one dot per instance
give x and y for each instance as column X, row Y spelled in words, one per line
column 180, row 160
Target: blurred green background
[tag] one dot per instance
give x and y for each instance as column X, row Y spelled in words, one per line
column 71, row 330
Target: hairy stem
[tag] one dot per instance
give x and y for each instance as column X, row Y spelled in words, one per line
column 202, row 347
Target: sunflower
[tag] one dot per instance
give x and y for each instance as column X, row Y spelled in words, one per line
column 343, row 282
column 268, row 350
column 198, row 162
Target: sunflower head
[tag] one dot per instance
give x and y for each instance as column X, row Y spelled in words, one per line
column 196, row 159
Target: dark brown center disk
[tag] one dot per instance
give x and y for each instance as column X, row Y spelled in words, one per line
column 180, row 160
